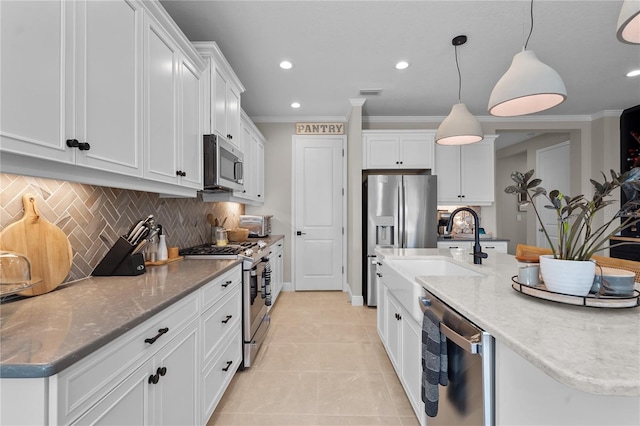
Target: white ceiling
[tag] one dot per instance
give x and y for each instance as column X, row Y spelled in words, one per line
column 341, row 47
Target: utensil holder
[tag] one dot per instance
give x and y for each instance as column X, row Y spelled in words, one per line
column 119, row 261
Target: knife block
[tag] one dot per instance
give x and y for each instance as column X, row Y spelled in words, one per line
column 120, row 262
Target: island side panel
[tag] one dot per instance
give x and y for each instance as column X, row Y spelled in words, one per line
column 24, row 401
column 525, row 395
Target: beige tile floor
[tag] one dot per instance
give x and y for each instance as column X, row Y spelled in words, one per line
column 322, row 364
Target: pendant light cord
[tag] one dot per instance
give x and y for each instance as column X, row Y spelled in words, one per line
column 531, row 30
column 459, row 75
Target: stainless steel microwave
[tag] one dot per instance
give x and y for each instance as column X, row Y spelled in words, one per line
column 223, row 165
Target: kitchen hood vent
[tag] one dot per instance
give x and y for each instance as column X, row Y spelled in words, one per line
column 370, row 92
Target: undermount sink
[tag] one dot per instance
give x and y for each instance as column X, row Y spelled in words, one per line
column 431, row 267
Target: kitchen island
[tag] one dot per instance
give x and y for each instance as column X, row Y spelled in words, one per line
column 555, row 363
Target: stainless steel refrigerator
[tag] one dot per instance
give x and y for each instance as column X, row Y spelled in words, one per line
column 400, row 211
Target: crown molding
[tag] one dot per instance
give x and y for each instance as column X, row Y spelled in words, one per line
column 297, row 119
column 607, row 113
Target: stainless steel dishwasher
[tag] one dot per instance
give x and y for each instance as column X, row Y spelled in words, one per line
column 468, row 399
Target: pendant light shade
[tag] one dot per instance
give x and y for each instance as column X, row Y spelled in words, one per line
column 527, row 87
column 629, row 22
column 459, row 128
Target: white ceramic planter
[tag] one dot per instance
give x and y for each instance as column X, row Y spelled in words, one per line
column 572, row 277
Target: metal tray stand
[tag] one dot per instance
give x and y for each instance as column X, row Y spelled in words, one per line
column 592, row 300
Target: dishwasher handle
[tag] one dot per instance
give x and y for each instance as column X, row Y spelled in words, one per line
column 471, row 345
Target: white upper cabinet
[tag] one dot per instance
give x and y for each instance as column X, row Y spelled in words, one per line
column 466, row 173
column 173, row 104
column 253, row 148
column 71, row 77
column 398, row 149
column 36, row 57
column 111, row 86
column 222, row 95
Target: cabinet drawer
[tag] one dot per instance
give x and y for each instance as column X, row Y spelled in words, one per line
column 498, row 247
column 455, row 244
column 220, row 286
column 219, row 319
column 220, row 371
column 87, row 381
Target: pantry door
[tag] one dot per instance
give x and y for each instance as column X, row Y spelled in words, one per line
column 318, row 212
column 552, row 166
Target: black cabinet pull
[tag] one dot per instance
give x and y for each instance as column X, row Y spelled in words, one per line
column 153, row 339
column 153, row 379
column 224, row 321
column 181, row 173
column 300, row 233
column 228, row 365
column 229, row 136
column 379, row 274
column 161, row 371
column 226, row 284
column 82, row 146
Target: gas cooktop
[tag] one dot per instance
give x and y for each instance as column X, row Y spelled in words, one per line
column 232, row 249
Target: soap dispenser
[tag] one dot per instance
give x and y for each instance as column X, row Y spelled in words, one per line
column 162, row 245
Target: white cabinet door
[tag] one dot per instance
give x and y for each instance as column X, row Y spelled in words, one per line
column 176, row 393
column 233, row 114
column 455, row 244
column 36, row 56
column 466, row 173
column 416, row 151
column 190, row 143
column 497, row 246
column 447, row 167
column 381, row 151
column 260, row 172
column 477, row 172
column 126, row 404
column 411, row 374
column 219, row 101
column 394, row 336
column 277, row 270
column 109, row 85
column 381, row 310
column 160, row 69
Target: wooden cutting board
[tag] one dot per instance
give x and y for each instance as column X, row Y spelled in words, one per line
column 45, row 245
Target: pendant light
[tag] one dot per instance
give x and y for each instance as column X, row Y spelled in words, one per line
column 629, row 22
column 460, row 127
column 528, row 86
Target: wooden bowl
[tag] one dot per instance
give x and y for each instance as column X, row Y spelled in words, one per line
column 238, row 234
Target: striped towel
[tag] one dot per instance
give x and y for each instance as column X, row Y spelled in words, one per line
column 434, row 362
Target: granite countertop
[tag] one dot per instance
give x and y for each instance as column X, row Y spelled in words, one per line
column 42, row 335
column 595, row 350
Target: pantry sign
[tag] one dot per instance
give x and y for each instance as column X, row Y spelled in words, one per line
column 319, row 128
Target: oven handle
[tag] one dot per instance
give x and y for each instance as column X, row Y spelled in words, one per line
column 473, row 345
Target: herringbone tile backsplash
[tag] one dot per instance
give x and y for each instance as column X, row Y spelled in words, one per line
column 93, row 217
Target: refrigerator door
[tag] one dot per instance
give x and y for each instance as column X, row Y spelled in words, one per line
column 383, row 206
column 419, row 211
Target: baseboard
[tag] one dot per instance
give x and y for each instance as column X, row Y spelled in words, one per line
column 287, row 287
column 355, row 300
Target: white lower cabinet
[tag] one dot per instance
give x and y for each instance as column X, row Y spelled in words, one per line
column 161, row 392
column 276, row 260
column 487, row 245
column 401, row 335
column 170, row 370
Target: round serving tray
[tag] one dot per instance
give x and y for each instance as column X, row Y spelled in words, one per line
column 593, row 300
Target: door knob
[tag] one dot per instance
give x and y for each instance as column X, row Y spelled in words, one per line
column 301, row 233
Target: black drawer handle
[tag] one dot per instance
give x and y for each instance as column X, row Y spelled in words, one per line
column 228, row 365
column 379, row 274
column 226, row 284
column 153, row 379
column 153, row 339
column 161, row 371
column 224, row 321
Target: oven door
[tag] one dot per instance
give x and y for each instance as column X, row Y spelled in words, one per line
column 255, row 299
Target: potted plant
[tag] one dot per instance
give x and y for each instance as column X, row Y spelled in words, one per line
column 578, row 239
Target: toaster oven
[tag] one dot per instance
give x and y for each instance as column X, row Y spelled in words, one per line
column 258, row 225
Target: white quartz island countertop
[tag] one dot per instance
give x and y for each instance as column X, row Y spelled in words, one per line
column 595, row 350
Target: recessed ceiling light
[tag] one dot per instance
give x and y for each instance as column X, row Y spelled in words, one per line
column 286, row 65
column 402, row 65
column 295, row 105
column 633, row 73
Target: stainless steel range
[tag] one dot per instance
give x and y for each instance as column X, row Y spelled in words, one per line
column 256, row 289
